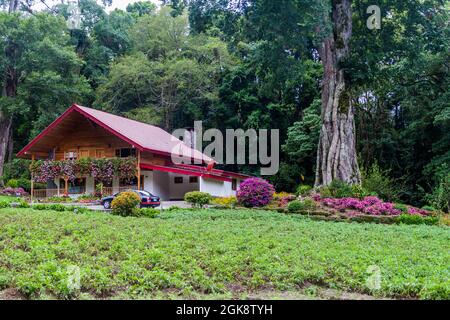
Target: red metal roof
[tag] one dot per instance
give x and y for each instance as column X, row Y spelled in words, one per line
column 196, row 171
column 141, row 135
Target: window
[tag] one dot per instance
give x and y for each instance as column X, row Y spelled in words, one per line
column 125, row 153
column 70, row 155
column 234, row 184
column 78, row 186
column 178, row 180
column 193, row 179
column 99, row 153
column 131, row 183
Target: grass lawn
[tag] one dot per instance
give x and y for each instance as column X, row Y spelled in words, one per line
column 212, row 253
column 7, row 198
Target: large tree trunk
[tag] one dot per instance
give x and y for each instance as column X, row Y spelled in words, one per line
column 5, row 128
column 336, row 156
column 9, row 90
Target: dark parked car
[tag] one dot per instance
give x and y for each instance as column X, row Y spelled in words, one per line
column 147, row 199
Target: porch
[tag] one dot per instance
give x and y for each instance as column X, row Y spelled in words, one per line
column 84, row 185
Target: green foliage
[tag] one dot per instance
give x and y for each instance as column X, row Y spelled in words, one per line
column 57, row 199
column 304, row 205
column 146, row 212
column 336, row 189
column 403, row 208
column 377, row 181
column 440, row 197
column 197, row 199
column 166, row 58
column 125, row 204
column 12, row 183
column 417, row 219
column 303, row 190
column 25, row 183
column 59, row 208
column 358, row 191
column 127, row 258
column 17, row 169
column 4, row 204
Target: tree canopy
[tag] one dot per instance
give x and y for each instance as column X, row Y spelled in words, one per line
column 240, row 64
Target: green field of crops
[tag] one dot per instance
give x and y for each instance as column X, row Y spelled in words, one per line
column 214, row 253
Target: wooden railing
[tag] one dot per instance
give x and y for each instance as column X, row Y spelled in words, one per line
column 109, row 191
column 106, row 191
column 45, row 193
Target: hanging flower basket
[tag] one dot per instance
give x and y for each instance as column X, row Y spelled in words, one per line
column 103, row 170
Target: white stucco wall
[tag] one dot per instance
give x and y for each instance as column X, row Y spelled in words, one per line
column 90, row 185
column 178, row 190
column 148, row 180
column 116, row 184
column 161, row 186
column 216, row 188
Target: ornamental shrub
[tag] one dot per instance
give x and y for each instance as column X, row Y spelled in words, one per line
column 376, row 180
column 255, row 192
column 125, row 204
column 305, row 205
column 197, row 199
column 228, row 202
column 24, row 183
column 417, row 219
column 440, row 197
column 17, row 192
column 12, row 183
column 337, row 189
column 303, row 190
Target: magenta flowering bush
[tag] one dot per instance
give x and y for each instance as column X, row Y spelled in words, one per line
column 255, row 192
column 102, row 170
column 44, row 171
column 369, row 205
column 417, row 212
column 18, row 192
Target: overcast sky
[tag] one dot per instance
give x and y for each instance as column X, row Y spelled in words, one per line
column 122, row 4
column 116, row 4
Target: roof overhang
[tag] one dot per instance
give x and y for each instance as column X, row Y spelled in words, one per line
column 198, row 172
column 26, row 151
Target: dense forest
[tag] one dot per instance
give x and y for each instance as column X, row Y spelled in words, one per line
column 247, row 64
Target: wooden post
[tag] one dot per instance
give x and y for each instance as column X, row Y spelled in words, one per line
column 66, row 186
column 32, row 179
column 139, row 169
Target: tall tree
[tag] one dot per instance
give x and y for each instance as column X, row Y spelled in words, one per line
column 38, row 73
column 336, row 156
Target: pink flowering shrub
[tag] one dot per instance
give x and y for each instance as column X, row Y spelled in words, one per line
column 18, row 192
column 101, row 169
column 255, row 192
column 417, row 212
column 369, row 205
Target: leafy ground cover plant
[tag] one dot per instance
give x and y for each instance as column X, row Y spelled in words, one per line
column 192, row 253
column 56, row 199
